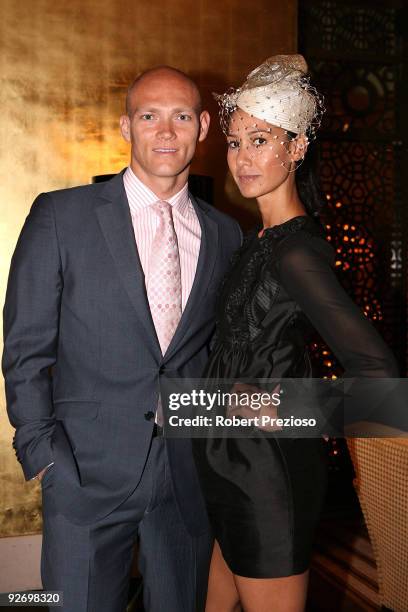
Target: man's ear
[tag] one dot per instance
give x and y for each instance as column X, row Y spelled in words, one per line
column 124, row 123
column 298, row 147
column 204, row 125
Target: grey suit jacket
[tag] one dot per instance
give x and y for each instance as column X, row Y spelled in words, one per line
column 81, row 358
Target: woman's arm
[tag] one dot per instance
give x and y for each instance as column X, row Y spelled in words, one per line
column 308, row 278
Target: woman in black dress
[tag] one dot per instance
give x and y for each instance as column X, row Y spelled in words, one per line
column 264, row 493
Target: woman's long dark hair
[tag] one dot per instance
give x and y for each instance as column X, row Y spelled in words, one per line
column 307, row 180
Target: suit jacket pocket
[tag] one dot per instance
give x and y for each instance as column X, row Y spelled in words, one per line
column 76, row 409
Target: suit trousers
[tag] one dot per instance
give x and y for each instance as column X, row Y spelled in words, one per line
column 91, row 564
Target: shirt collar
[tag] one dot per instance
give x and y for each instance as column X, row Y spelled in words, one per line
column 140, row 196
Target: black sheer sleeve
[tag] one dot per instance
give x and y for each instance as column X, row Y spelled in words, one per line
column 305, row 272
column 308, row 278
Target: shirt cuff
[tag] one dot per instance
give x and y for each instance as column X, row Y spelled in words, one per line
column 47, row 466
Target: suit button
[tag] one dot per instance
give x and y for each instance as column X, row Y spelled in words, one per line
column 149, row 415
column 162, row 369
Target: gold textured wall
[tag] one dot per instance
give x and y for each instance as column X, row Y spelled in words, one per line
column 64, row 68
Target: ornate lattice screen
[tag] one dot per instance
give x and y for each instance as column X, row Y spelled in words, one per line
column 355, row 54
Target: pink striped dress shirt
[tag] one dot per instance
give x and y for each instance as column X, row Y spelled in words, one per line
column 145, row 222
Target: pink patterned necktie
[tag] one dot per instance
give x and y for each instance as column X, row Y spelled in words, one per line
column 164, row 283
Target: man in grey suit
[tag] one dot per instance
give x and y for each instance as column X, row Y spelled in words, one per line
column 85, row 349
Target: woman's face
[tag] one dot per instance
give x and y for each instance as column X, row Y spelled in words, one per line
column 260, row 155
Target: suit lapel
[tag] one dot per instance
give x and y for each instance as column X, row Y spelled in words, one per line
column 205, row 265
column 116, row 224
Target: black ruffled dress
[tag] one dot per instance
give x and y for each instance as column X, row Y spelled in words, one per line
column 264, row 494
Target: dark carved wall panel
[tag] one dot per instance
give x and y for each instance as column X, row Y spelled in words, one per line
column 354, row 28
column 355, row 55
column 362, row 97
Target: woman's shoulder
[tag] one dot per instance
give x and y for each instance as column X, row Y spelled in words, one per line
column 302, row 235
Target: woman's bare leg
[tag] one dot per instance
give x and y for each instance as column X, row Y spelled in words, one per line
column 222, row 595
column 273, row 594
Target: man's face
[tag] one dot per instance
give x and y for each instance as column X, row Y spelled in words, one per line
column 164, row 127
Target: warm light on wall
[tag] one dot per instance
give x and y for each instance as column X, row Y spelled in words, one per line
column 65, row 70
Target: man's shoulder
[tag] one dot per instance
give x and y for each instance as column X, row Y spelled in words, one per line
column 77, row 193
column 81, row 200
column 65, row 204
